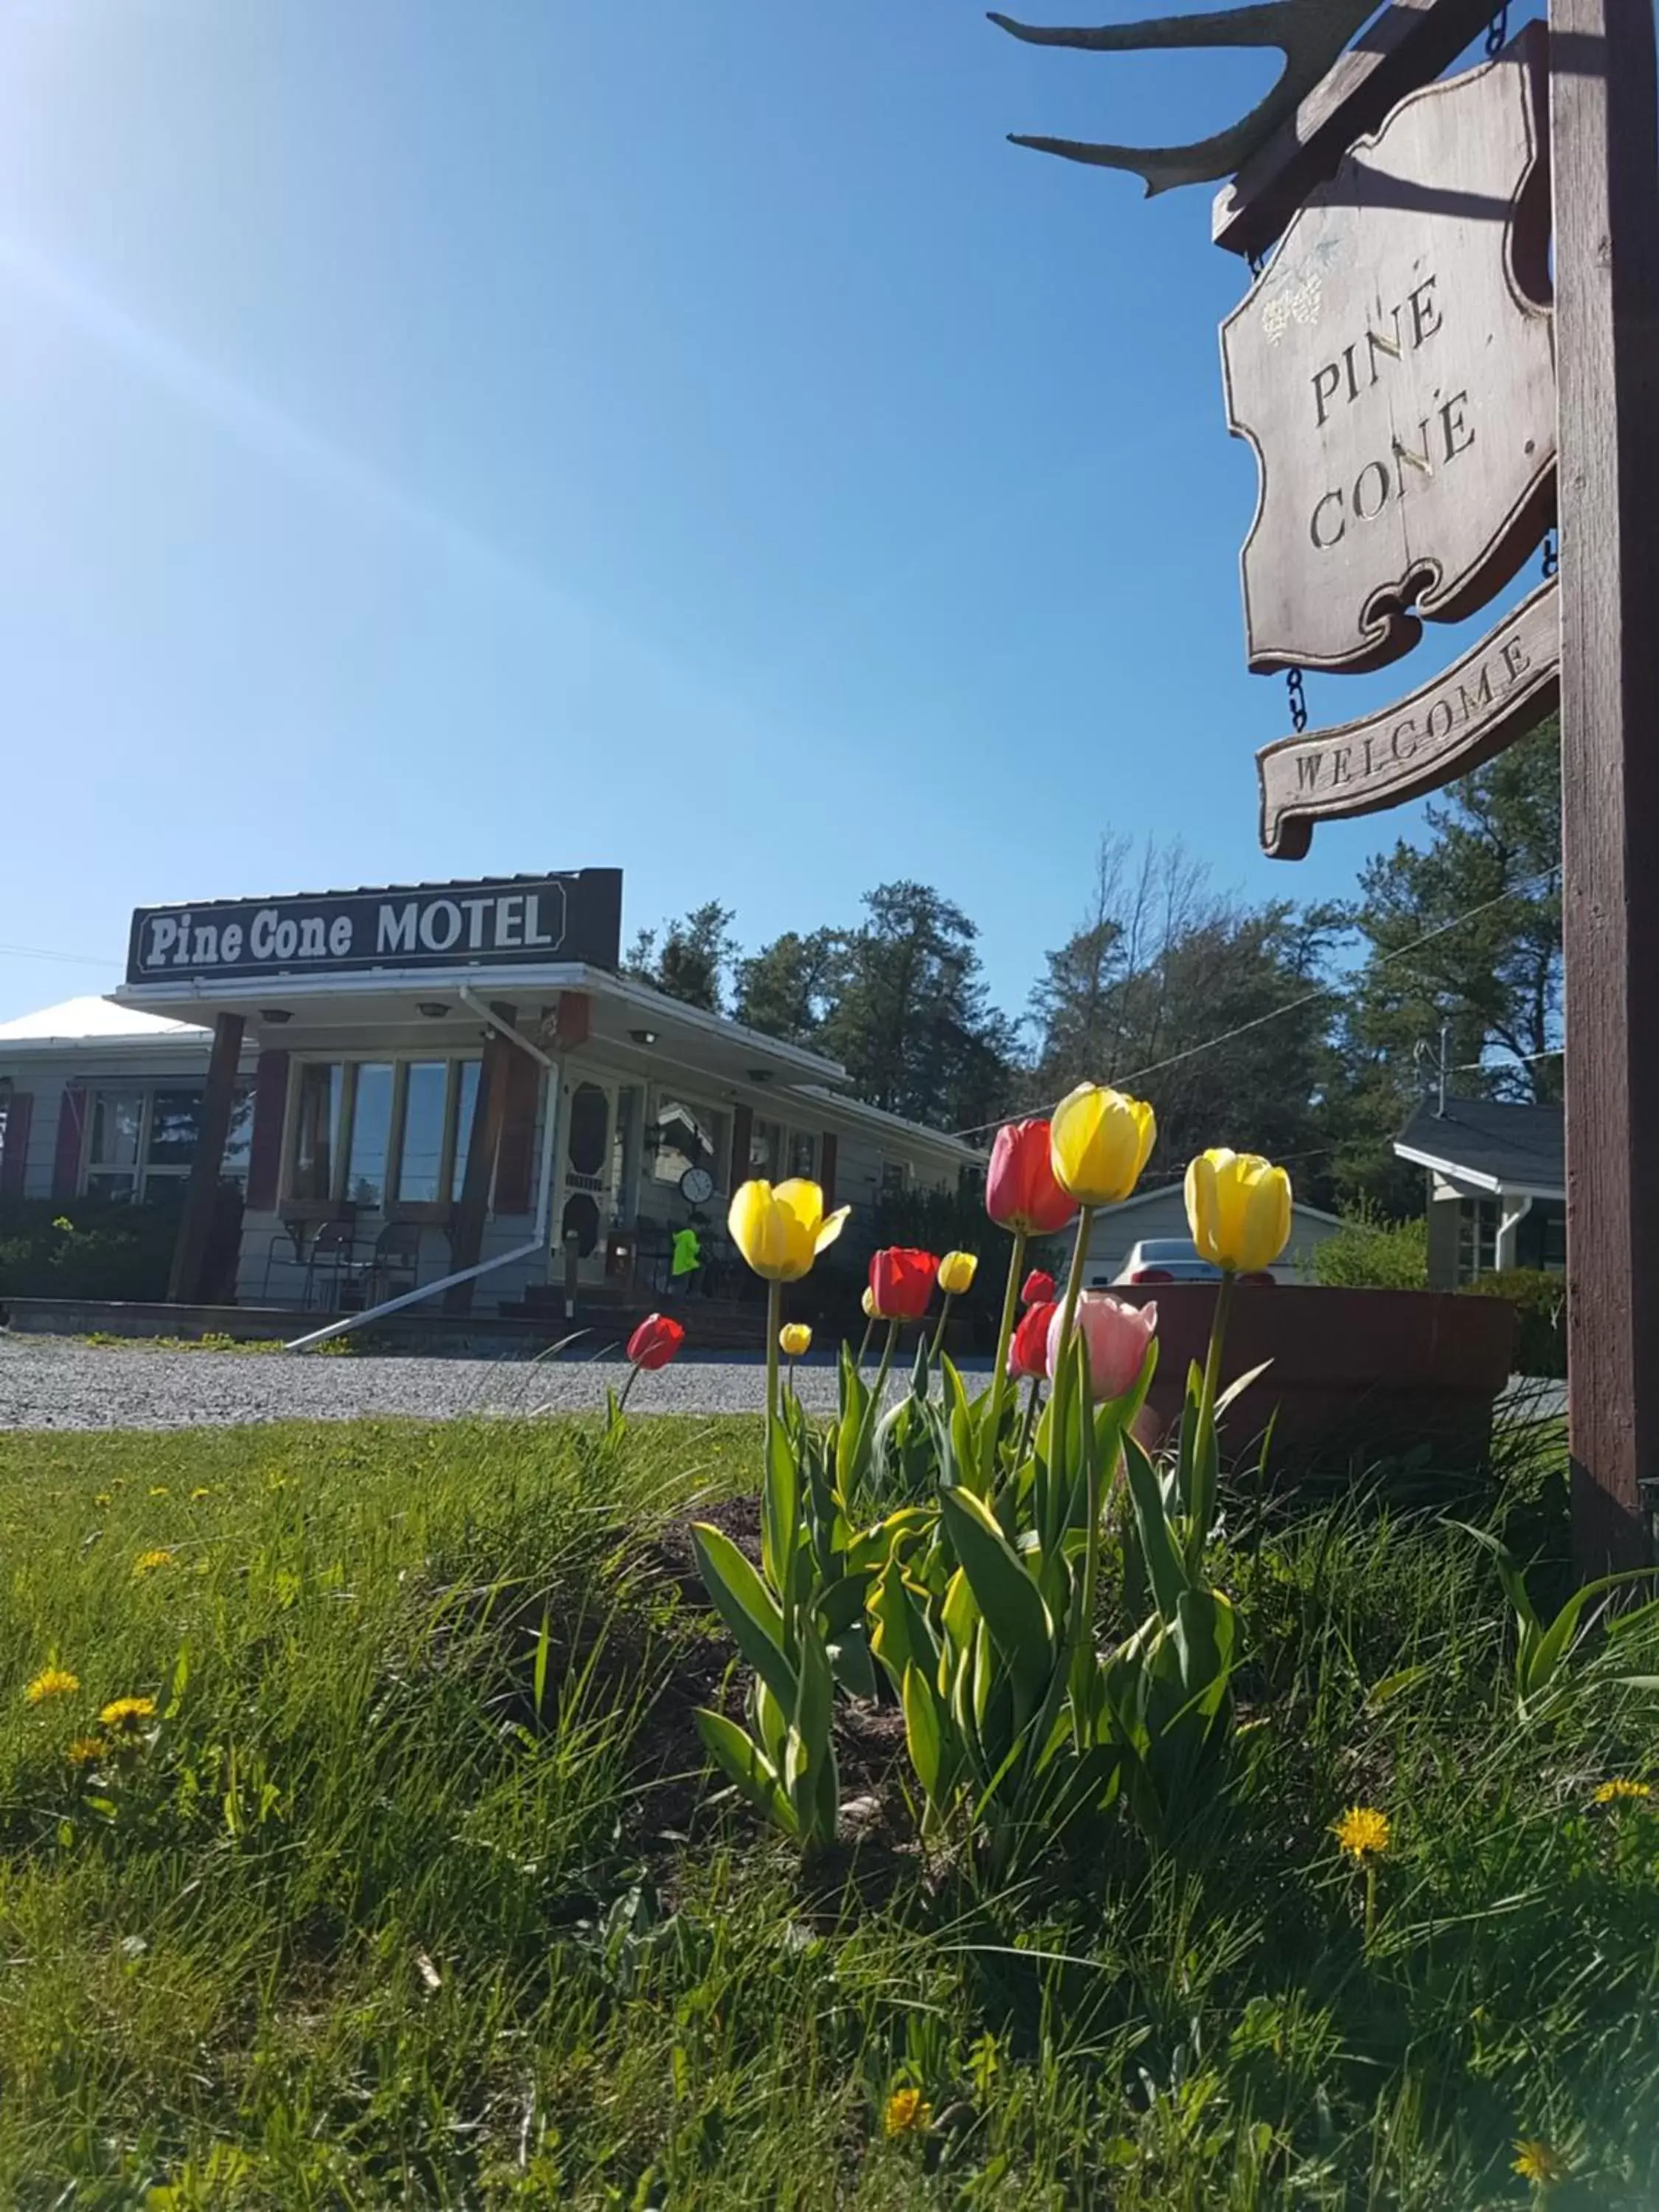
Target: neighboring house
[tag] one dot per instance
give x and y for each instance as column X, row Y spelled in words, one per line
column 1163, row 1212
column 1497, row 1187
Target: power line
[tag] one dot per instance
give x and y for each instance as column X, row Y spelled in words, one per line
column 36, row 952
column 1290, row 1006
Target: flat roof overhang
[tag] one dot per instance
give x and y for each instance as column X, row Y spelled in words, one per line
column 624, row 1014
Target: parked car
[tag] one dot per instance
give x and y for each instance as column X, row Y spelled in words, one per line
column 1169, row 1259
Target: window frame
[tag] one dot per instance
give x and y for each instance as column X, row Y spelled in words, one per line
column 338, row 1203
column 145, row 1172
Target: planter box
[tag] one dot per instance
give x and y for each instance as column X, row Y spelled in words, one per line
column 1356, row 1376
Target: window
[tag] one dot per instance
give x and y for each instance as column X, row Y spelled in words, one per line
column 142, row 1141
column 381, row 1134
column 684, row 1136
column 894, row 1178
column 804, row 1154
column 1477, row 1238
column 766, row 1151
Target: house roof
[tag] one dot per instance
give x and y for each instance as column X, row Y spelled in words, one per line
column 1162, row 1189
column 96, row 1021
column 1490, row 1144
column 877, row 1117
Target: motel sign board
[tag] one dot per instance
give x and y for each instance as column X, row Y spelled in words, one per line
column 513, row 920
column 1393, row 368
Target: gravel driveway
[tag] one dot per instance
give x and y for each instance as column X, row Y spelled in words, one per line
column 59, row 1382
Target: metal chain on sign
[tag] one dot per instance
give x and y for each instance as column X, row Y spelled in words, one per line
column 1551, row 554
column 1258, row 261
column 1298, row 700
column 1498, row 30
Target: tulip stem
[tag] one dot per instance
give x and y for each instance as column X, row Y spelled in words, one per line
column 633, row 1377
column 1030, row 1419
column 999, row 1370
column 1224, row 1301
column 864, row 1347
column 1074, row 1279
column 773, row 1323
column 938, row 1325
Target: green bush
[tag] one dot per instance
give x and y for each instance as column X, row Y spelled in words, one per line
column 1541, row 1300
column 1370, row 1253
column 86, row 1247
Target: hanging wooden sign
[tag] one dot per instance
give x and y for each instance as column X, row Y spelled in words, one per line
column 1499, row 690
column 1393, row 368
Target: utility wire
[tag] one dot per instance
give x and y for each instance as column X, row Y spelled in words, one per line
column 35, row 952
column 1290, row 1006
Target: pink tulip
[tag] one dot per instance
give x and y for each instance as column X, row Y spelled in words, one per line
column 1117, row 1335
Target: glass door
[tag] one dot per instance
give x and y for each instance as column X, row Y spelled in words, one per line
column 587, row 1179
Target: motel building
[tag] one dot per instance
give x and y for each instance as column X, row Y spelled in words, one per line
column 442, row 1094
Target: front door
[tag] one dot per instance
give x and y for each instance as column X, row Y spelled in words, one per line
column 587, row 1182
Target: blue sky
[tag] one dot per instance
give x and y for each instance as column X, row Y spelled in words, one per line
column 450, row 437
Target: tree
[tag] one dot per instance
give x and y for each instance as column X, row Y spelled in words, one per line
column 695, row 955
column 789, row 987
column 1212, row 1009
column 1462, row 936
column 911, row 1019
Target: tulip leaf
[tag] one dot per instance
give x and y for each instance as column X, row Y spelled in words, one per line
column 1164, row 1568
column 1007, row 1597
column 780, row 1508
column 901, row 1639
column 748, row 1609
column 924, row 1733
column 748, row 1766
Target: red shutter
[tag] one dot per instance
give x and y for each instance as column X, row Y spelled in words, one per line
column 71, row 1126
column 574, row 1024
column 515, row 1160
column 264, row 1166
column 14, row 1161
column 826, row 1168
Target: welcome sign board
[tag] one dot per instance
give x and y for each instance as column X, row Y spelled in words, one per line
column 502, row 920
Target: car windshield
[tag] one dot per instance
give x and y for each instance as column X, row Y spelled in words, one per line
column 1169, row 1248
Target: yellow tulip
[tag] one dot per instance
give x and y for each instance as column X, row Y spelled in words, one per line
column 795, row 1340
column 868, row 1302
column 957, row 1270
column 1239, row 1208
column 1098, row 1142
column 780, row 1231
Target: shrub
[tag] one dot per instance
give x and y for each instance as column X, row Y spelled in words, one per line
column 1541, row 1300
column 86, row 1247
column 1370, row 1252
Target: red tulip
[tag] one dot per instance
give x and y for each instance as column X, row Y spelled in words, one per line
column 1020, row 1190
column 902, row 1283
column 655, row 1342
column 1039, row 1289
column 1028, row 1352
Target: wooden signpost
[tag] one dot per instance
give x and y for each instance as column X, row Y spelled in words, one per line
column 1419, row 413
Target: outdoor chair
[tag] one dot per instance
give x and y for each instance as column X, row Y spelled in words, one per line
column 333, row 1254
column 396, row 1266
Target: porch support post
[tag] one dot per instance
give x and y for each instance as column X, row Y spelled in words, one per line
column 472, row 1212
column 186, row 1281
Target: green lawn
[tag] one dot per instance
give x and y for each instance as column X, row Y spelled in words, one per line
column 414, row 1892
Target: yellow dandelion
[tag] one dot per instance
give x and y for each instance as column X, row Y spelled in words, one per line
column 51, row 1682
column 908, row 2113
column 158, row 1490
column 1362, row 1832
column 147, row 1562
column 127, row 1716
column 198, row 1494
column 103, row 1498
column 1536, row 2160
column 84, row 1750
column 1610, row 1793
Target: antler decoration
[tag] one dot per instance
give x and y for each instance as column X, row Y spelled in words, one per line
column 1309, row 33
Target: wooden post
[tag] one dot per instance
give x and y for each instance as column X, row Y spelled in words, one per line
column 1606, row 158
column 488, row 1110
column 186, row 1286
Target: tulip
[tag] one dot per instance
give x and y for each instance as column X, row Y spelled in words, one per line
column 1238, row 1206
column 780, row 1232
column 655, row 1342
column 868, row 1303
column 902, row 1283
column 1116, row 1336
column 957, row 1270
column 794, row 1339
column 1028, row 1352
column 1020, row 1190
column 1038, row 1289
column 1099, row 1141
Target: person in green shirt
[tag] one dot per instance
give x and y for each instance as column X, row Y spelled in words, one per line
column 688, row 1258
